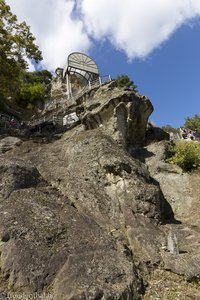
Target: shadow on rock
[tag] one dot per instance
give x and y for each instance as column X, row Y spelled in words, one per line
column 141, row 154
column 166, row 208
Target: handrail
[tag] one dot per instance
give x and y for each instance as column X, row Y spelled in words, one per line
column 55, row 120
column 91, row 85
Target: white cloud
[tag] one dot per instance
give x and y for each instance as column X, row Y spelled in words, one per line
column 135, row 26
column 57, row 32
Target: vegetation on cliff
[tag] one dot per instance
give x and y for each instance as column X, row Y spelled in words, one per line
column 125, row 81
column 34, row 88
column 186, row 155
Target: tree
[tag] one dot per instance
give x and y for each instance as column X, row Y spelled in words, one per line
column 125, row 81
column 34, row 88
column 29, row 95
column 16, row 45
column 193, row 123
column 42, row 76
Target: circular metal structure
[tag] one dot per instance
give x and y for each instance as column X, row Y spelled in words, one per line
column 81, row 65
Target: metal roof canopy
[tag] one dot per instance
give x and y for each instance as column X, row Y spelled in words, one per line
column 82, row 64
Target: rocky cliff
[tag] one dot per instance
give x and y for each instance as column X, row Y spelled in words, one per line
column 88, row 214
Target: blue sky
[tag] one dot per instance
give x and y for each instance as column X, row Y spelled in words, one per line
column 169, row 76
column 156, row 43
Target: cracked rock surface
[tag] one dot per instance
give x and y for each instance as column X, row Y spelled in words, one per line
column 81, row 218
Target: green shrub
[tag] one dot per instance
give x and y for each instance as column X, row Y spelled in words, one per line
column 30, row 94
column 186, row 155
column 125, row 82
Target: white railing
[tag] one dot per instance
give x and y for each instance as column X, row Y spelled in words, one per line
column 71, row 98
column 55, row 120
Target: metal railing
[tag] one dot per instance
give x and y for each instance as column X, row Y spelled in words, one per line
column 54, row 120
column 58, row 120
column 72, row 98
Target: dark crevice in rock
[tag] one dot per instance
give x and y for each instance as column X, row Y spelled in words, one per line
column 118, row 169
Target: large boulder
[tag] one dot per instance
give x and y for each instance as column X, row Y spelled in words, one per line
column 17, row 174
column 121, row 113
column 81, row 217
column 155, row 134
column 105, row 183
column 47, row 245
column 8, row 143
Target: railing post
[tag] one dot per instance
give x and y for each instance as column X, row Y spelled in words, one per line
column 68, row 86
column 100, row 81
column 109, row 77
column 89, row 84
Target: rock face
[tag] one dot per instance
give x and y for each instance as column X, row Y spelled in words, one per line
column 16, row 174
column 182, row 191
column 100, row 176
column 122, row 114
column 47, row 244
column 83, row 218
column 58, row 85
column 166, row 174
column 9, row 143
column 79, row 238
column 155, row 134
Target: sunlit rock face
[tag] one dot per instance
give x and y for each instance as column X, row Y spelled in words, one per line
column 83, row 218
column 52, row 240
column 120, row 113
